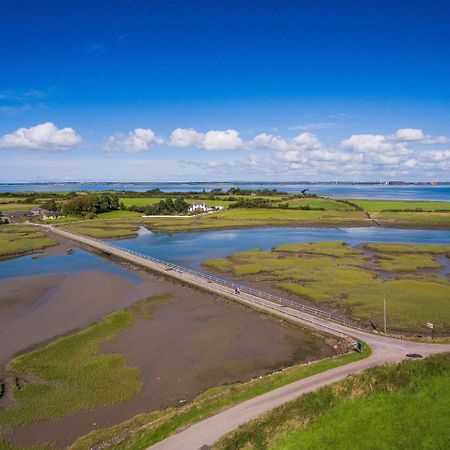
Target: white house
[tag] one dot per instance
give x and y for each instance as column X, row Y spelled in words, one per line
column 201, row 207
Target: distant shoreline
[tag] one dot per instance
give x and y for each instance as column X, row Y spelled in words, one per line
column 243, row 183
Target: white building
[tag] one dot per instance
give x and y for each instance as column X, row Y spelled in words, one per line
column 201, row 207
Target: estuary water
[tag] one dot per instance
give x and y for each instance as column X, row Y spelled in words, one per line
column 79, row 261
column 376, row 191
column 189, row 249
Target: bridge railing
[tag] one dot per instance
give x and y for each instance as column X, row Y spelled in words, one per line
column 223, row 281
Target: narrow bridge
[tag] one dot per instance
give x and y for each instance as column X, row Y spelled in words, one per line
column 206, row 432
column 254, row 298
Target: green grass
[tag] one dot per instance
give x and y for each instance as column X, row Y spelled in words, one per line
column 400, row 406
column 344, row 277
column 440, row 220
column 408, row 262
column 68, row 375
column 147, row 201
column 18, row 240
column 104, row 229
column 118, row 214
column 329, row 248
column 7, row 446
column 386, row 205
column 147, row 429
column 12, row 207
column 408, row 248
column 325, row 203
column 237, row 218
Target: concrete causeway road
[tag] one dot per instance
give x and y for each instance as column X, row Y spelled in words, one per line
column 208, row 431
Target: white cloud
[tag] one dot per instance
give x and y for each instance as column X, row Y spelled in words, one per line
column 185, row 137
column 417, row 135
column 306, row 141
column 439, row 155
column 211, row 140
column 409, row 134
column 411, row 163
column 135, row 141
column 367, row 143
column 270, row 141
column 222, row 140
column 45, row 136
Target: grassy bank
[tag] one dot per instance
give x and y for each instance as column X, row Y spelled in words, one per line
column 333, row 273
column 20, row 239
column 69, row 375
column 121, row 224
column 401, row 406
column 398, row 205
column 104, row 229
column 147, row 429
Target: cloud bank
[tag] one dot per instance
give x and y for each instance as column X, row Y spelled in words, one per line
column 404, row 151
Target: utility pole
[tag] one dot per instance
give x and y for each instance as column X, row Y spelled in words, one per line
column 384, row 306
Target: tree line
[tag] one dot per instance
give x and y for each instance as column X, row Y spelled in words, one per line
column 93, row 203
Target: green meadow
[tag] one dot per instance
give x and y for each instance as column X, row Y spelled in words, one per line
column 104, row 229
column 20, row 239
column 387, row 205
column 334, row 274
column 399, row 406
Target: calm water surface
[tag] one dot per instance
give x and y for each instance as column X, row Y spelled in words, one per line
column 441, row 193
column 191, row 248
column 78, row 261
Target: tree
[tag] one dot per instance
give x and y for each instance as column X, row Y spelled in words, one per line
column 92, row 203
column 50, row 205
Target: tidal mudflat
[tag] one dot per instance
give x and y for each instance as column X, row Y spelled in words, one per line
column 192, row 341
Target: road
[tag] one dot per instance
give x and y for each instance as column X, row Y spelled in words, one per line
column 208, row 431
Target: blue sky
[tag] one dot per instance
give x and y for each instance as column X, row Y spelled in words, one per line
column 224, row 90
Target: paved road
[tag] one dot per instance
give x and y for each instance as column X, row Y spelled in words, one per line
column 208, row 431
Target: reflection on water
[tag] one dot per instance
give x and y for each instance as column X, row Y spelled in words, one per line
column 191, row 248
column 78, row 261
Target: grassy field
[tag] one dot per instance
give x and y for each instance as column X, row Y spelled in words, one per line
column 386, row 205
column 438, row 220
column 104, row 229
column 18, row 240
column 12, row 207
column 326, row 203
column 147, row 201
column 7, row 446
column 244, row 218
column 68, row 375
column 147, row 429
column 335, row 274
column 399, row 406
column 238, row 217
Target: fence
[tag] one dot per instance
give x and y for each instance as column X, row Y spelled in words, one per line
column 222, row 281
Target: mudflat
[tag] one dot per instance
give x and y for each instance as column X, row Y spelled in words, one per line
column 36, row 309
column 192, row 342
